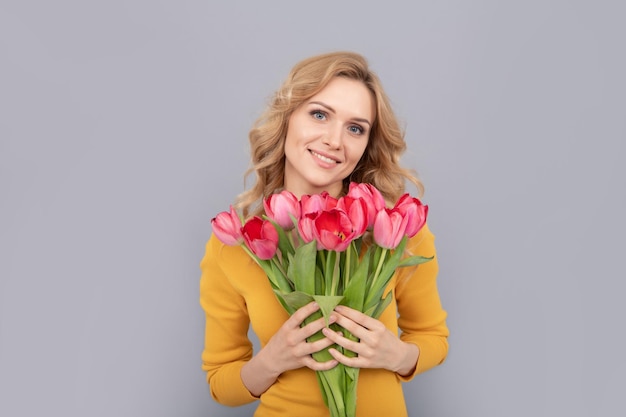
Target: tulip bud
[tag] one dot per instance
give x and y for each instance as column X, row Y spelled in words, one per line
column 227, row 227
column 261, row 237
column 281, row 208
column 389, row 228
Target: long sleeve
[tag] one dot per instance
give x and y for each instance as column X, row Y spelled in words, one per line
column 420, row 314
column 227, row 347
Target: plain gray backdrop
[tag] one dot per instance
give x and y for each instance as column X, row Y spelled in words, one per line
column 123, row 131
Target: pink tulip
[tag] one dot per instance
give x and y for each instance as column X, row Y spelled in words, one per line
column 306, row 227
column 415, row 210
column 261, row 237
column 356, row 208
column 227, row 227
column 372, row 197
column 334, row 230
column 389, row 228
column 281, row 207
column 317, row 202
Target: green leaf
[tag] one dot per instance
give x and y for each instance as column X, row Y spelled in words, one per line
column 354, row 293
column 302, row 268
column 327, row 304
column 332, row 384
column 382, row 305
column 282, row 301
column 391, row 263
column 414, row 260
column 284, row 243
column 295, row 299
column 279, row 279
column 352, row 375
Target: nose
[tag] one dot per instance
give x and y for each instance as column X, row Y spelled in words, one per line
column 333, row 137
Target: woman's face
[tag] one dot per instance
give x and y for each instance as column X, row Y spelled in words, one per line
column 327, row 136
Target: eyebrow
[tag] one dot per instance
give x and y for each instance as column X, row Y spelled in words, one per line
column 356, row 119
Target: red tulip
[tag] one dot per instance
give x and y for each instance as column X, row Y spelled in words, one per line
column 334, row 230
column 281, row 207
column 261, row 237
column 356, row 208
column 415, row 210
column 389, row 228
column 372, row 197
column 227, row 227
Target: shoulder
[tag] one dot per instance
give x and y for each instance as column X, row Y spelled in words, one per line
column 423, row 243
column 218, row 254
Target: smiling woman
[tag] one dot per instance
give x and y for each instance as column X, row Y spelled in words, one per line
column 330, row 124
column 327, row 137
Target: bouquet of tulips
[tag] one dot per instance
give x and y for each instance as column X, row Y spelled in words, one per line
column 314, row 249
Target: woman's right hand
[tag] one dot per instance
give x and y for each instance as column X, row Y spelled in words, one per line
column 288, row 349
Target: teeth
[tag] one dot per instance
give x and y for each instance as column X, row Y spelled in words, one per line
column 323, row 158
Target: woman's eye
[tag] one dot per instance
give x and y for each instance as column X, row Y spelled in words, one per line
column 319, row 115
column 356, row 129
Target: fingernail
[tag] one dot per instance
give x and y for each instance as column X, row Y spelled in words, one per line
column 332, row 319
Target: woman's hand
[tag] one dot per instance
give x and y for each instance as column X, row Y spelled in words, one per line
column 378, row 347
column 289, row 349
column 286, row 350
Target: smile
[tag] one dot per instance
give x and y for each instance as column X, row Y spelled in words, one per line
column 323, row 158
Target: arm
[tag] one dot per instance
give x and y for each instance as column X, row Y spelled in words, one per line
column 234, row 374
column 226, row 346
column 421, row 316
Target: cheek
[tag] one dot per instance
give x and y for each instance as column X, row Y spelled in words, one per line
column 357, row 151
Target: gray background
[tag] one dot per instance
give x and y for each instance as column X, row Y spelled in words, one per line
column 123, row 130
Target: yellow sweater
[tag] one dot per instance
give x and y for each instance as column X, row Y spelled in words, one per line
column 235, row 292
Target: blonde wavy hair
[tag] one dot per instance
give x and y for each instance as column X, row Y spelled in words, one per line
column 379, row 164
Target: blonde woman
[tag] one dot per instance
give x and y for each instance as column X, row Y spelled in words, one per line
column 329, row 124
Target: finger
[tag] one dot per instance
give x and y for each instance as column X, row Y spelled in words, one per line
column 302, row 313
column 315, row 326
column 318, row 345
column 358, row 317
column 311, row 363
column 342, row 341
column 356, row 362
column 356, row 329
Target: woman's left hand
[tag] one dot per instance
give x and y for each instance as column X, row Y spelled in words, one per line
column 378, row 347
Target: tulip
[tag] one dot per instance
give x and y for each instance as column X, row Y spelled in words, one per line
column 333, row 229
column 227, row 227
column 281, row 208
column 357, row 211
column 415, row 210
column 261, row 237
column 372, row 197
column 389, row 228
column 306, row 227
column 317, row 202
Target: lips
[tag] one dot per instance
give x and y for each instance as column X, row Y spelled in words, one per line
column 325, row 158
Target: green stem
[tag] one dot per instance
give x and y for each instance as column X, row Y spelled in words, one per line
column 381, row 261
column 279, row 266
column 335, row 281
column 346, row 272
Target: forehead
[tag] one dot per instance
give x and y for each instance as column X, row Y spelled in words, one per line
column 348, row 96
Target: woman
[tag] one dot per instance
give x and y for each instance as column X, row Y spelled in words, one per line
column 329, row 124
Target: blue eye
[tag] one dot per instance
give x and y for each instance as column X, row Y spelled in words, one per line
column 318, row 114
column 358, row 130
